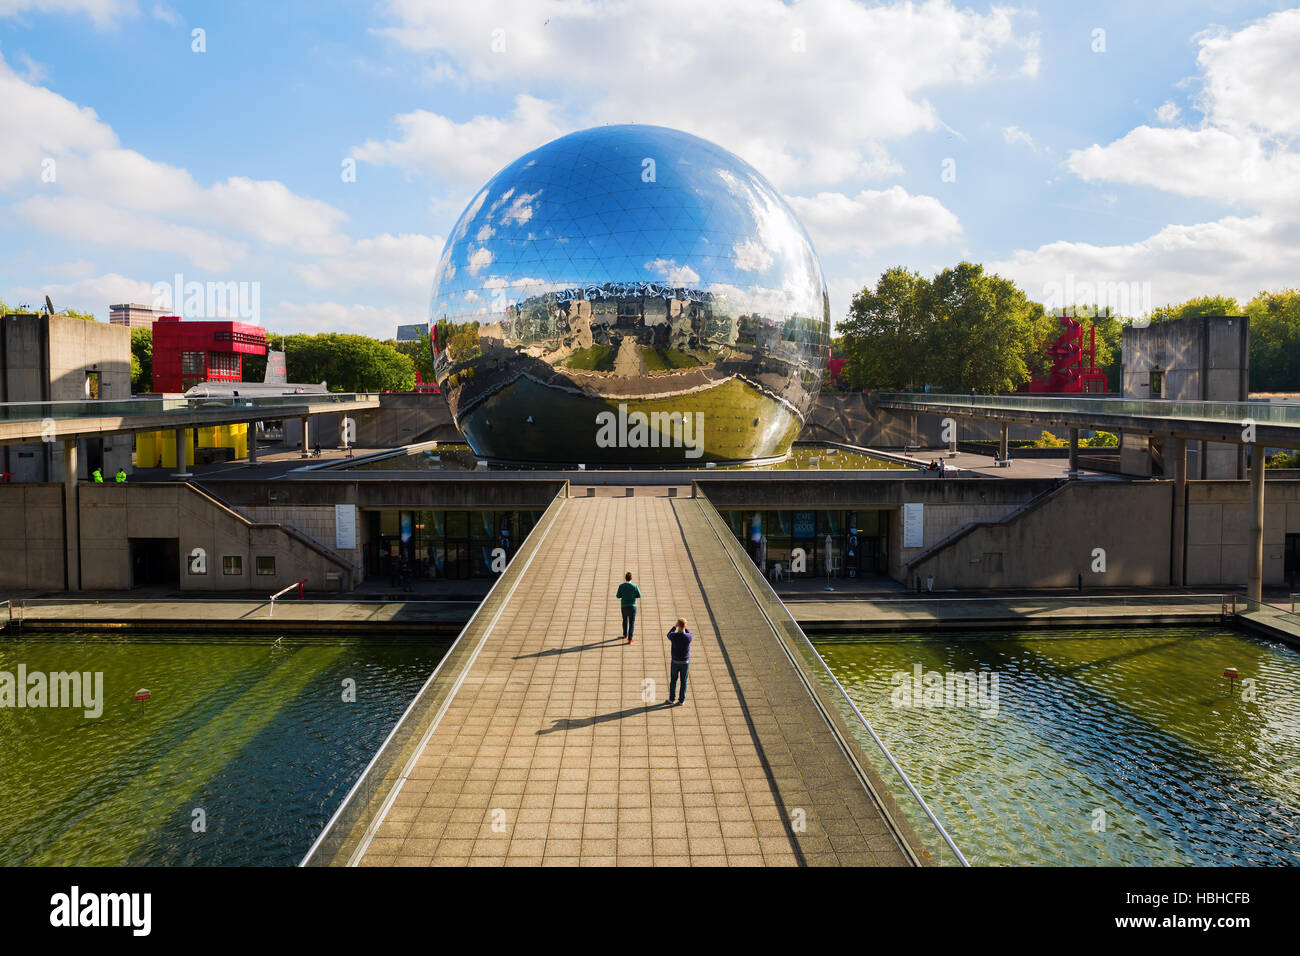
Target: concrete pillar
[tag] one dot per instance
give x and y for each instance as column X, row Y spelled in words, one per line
column 1178, row 553
column 1255, row 582
column 952, row 442
column 1074, row 453
column 306, row 444
column 182, row 455
column 1004, row 446
column 252, row 443
column 71, row 515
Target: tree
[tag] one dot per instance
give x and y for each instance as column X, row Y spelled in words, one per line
column 418, row 350
column 1204, row 305
column 348, row 363
column 963, row 329
column 141, row 360
column 1275, row 341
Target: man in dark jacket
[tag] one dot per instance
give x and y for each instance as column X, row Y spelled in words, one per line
column 680, row 639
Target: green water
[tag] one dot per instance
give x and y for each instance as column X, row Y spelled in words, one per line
column 1106, row 747
column 253, row 734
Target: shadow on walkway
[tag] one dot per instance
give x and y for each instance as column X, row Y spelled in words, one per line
column 569, row 650
column 569, row 723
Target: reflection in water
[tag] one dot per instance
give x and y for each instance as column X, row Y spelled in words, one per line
column 1110, row 747
column 634, row 270
column 255, row 735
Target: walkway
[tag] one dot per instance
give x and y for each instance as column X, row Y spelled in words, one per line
column 557, row 749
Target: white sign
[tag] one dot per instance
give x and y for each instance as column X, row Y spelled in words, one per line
column 914, row 526
column 345, row 527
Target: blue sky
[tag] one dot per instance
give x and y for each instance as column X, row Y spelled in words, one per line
column 1143, row 151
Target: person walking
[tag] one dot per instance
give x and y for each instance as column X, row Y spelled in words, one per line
column 97, row 476
column 680, row 664
column 628, row 593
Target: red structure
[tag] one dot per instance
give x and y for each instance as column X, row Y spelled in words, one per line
column 1068, row 373
column 834, row 365
column 189, row 353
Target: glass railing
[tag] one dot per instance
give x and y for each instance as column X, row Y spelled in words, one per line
column 1001, row 608
column 910, row 816
column 1288, row 621
column 122, row 408
column 1235, row 412
column 213, row 612
column 349, row 830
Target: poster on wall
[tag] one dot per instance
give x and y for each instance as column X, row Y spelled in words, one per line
column 805, row 524
column 914, row 526
column 345, row 527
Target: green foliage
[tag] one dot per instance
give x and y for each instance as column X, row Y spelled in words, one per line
column 418, row 351
column 598, row 358
column 1275, row 341
column 1100, row 440
column 1048, row 440
column 1204, row 305
column 141, row 360
column 1284, row 460
column 346, row 363
column 963, row 328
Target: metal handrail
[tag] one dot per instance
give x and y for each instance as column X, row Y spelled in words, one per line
column 925, row 807
column 535, row 539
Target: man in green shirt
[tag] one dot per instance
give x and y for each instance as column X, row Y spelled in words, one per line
column 628, row 593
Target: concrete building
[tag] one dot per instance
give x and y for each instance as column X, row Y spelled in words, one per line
column 1199, row 359
column 133, row 316
column 56, row 358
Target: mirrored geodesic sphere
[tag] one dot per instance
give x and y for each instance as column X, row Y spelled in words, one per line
column 630, row 295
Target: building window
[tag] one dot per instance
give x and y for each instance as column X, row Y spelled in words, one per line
column 1157, row 384
column 266, row 565
column 192, row 363
column 232, row 564
column 92, row 385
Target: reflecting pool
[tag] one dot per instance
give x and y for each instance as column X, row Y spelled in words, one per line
column 241, row 754
column 1103, row 747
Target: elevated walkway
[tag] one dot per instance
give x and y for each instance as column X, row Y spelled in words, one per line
column 549, row 741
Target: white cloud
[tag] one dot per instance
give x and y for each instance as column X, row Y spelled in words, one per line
column 677, row 276
column 71, row 164
column 89, row 294
column 166, row 14
column 378, row 322
column 463, row 153
column 807, row 92
column 1233, row 256
column 103, row 13
column 751, row 256
column 1241, row 153
column 1168, row 112
column 402, row 266
column 1014, row 134
column 479, row 259
column 88, row 220
column 874, row 219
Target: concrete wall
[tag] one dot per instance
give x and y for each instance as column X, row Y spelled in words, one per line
column 1051, row 543
column 1218, row 530
column 113, row 514
column 315, row 522
column 1201, row 359
column 404, row 418
column 45, row 359
column 31, row 536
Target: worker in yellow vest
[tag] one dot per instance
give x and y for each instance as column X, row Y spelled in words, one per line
column 97, row 476
column 120, row 477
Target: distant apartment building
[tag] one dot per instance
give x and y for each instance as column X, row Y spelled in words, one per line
column 133, row 316
column 56, row 358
